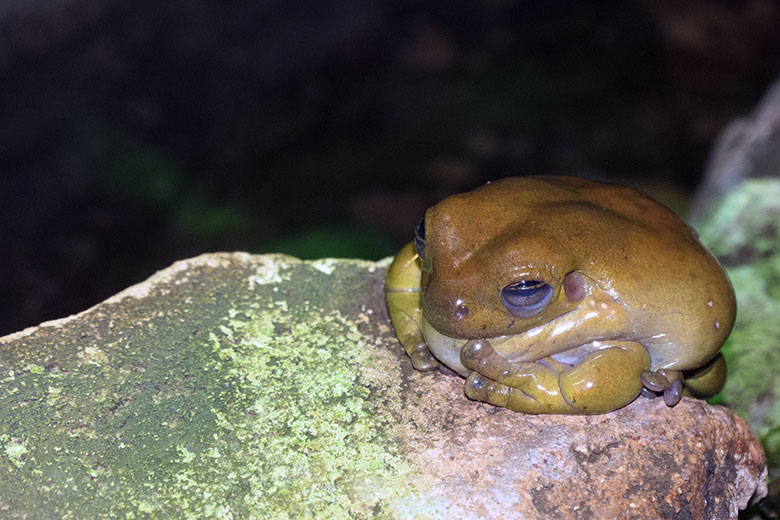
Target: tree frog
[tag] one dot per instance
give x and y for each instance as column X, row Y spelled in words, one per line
column 562, row 295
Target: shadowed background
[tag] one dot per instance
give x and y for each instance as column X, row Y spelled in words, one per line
column 135, row 135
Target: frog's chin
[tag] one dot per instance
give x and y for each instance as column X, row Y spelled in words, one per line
column 445, row 348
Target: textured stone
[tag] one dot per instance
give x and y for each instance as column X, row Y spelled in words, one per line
column 240, row 386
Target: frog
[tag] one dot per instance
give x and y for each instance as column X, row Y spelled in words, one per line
column 557, row 294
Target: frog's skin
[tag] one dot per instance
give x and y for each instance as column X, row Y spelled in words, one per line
column 561, row 295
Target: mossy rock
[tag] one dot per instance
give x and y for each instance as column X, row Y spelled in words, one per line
column 263, row 387
column 161, row 401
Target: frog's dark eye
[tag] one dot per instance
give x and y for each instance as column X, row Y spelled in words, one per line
column 526, row 297
column 419, row 238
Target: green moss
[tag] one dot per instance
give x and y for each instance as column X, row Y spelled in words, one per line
column 744, row 232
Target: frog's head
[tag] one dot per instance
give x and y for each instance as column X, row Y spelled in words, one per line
column 490, row 268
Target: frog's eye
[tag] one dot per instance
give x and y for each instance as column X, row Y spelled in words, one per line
column 526, row 297
column 419, row 238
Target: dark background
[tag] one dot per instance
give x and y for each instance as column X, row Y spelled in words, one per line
column 135, row 134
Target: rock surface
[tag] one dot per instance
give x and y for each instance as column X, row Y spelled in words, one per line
column 240, row 386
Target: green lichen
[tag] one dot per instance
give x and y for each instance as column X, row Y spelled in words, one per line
column 310, row 434
column 15, row 450
column 227, row 391
column 35, row 369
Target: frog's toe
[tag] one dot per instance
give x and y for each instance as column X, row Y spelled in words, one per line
column 478, row 355
column 654, row 381
column 648, row 393
column 673, row 394
column 474, row 352
column 662, row 382
column 476, row 385
column 481, row 388
column 422, row 359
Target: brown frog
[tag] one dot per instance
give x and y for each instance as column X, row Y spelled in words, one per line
column 562, row 295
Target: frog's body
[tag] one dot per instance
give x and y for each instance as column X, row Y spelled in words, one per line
column 557, row 294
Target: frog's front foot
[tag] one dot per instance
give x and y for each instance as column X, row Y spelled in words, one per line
column 523, row 387
column 421, row 357
column 478, row 355
column 662, row 381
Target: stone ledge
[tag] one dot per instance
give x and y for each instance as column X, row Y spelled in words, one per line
column 241, row 386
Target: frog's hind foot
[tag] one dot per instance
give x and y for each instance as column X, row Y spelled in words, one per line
column 662, row 382
column 479, row 388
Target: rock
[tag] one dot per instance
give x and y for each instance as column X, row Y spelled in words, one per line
column 239, row 386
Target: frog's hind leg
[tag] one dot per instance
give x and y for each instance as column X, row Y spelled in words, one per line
column 707, row 380
column 402, row 292
column 602, row 381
